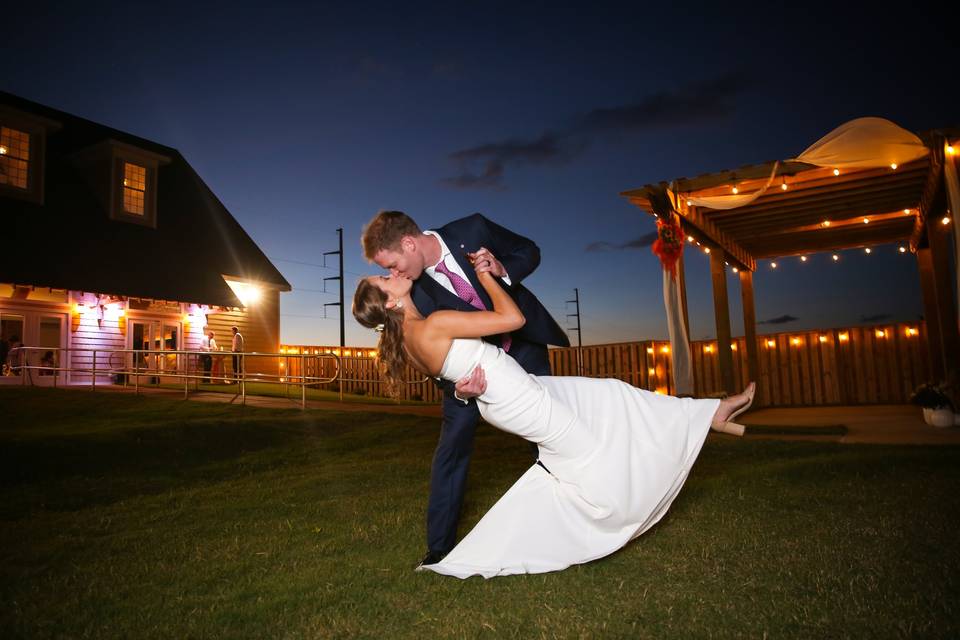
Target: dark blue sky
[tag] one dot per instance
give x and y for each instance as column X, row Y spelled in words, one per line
column 304, row 119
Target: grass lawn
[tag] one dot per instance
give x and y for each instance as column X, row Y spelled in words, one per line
column 291, row 392
column 141, row 517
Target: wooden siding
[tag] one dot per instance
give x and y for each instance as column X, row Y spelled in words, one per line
column 259, row 325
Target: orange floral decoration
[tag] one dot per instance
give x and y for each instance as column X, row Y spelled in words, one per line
column 669, row 245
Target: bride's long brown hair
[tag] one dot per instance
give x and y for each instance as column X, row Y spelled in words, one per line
column 370, row 310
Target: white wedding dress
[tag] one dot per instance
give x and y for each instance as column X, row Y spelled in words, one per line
column 617, row 457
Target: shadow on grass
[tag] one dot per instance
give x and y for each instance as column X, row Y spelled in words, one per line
column 93, row 449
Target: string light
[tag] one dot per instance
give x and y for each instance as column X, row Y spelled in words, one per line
column 689, row 203
column 950, row 150
column 706, row 249
column 771, row 344
column 903, row 249
column 649, row 349
column 826, row 223
column 3, row 150
column 783, row 185
column 689, row 238
column 881, row 333
column 735, row 190
column 735, row 270
column 836, row 172
column 893, row 165
column 945, row 220
column 823, row 338
column 906, row 211
column 835, row 257
column 708, row 349
column 664, row 349
column 867, row 250
column 866, row 221
column 843, row 337
column 651, row 371
column 911, row 331
column 795, row 341
column 773, row 265
column 803, row 258
column 733, row 346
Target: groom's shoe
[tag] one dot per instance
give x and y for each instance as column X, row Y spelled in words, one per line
column 432, row 557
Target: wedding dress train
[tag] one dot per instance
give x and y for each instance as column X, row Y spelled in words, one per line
column 617, row 457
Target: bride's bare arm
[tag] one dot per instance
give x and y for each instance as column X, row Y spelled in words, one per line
column 504, row 317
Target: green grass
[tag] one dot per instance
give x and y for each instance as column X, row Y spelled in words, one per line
column 291, row 391
column 143, row 517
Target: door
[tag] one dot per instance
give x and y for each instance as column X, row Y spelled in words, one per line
column 50, row 339
column 11, row 336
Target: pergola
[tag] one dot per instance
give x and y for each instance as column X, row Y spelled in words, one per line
column 804, row 208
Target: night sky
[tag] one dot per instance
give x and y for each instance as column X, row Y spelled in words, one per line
column 304, row 119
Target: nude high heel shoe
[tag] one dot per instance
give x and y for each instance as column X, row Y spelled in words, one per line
column 731, row 427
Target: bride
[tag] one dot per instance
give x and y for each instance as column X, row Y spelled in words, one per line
column 613, row 457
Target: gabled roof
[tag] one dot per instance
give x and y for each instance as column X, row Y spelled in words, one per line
column 70, row 242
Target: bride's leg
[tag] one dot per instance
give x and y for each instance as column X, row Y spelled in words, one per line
column 730, row 408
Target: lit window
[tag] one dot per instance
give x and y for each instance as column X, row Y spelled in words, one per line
column 134, row 188
column 14, row 157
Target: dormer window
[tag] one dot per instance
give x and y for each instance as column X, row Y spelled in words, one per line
column 14, row 158
column 22, row 146
column 124, row 178
column 134, row 188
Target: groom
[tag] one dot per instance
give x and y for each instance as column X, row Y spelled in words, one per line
column 443, row 278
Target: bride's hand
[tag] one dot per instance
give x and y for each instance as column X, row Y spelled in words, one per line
column 484, row 262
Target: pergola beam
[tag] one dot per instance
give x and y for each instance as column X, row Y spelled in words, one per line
column 730, row 247
column 705, row 229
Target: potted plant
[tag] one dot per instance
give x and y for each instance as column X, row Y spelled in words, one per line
column 936, row 404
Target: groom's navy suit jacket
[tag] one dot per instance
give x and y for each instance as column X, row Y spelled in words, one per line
column 519, row 256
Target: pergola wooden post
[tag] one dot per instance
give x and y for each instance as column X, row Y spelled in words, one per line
column 721, row 311
column 928, row 289
column 939, row 306
column 749, row 325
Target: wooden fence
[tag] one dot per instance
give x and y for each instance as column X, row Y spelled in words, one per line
column 879, row 364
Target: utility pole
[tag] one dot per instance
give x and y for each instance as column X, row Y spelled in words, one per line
column 576, row 301
column 340, row 278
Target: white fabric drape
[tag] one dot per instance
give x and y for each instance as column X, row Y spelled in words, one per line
column 953, row 197
column 731, row 201
column 865, row 143
column 679, row 341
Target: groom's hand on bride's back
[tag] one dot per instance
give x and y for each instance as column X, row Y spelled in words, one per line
column 471, row 386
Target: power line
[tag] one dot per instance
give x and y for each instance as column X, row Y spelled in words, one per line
column 304, row 315
column 306, row 264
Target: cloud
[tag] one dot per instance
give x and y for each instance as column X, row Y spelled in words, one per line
column 688, row 105
column 875, row 318
column 637, row 243
column 779, row 320
column 484, row 166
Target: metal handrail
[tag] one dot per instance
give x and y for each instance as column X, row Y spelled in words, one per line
column 25, row 367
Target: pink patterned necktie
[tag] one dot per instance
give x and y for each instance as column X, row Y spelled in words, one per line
column 468, row 294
